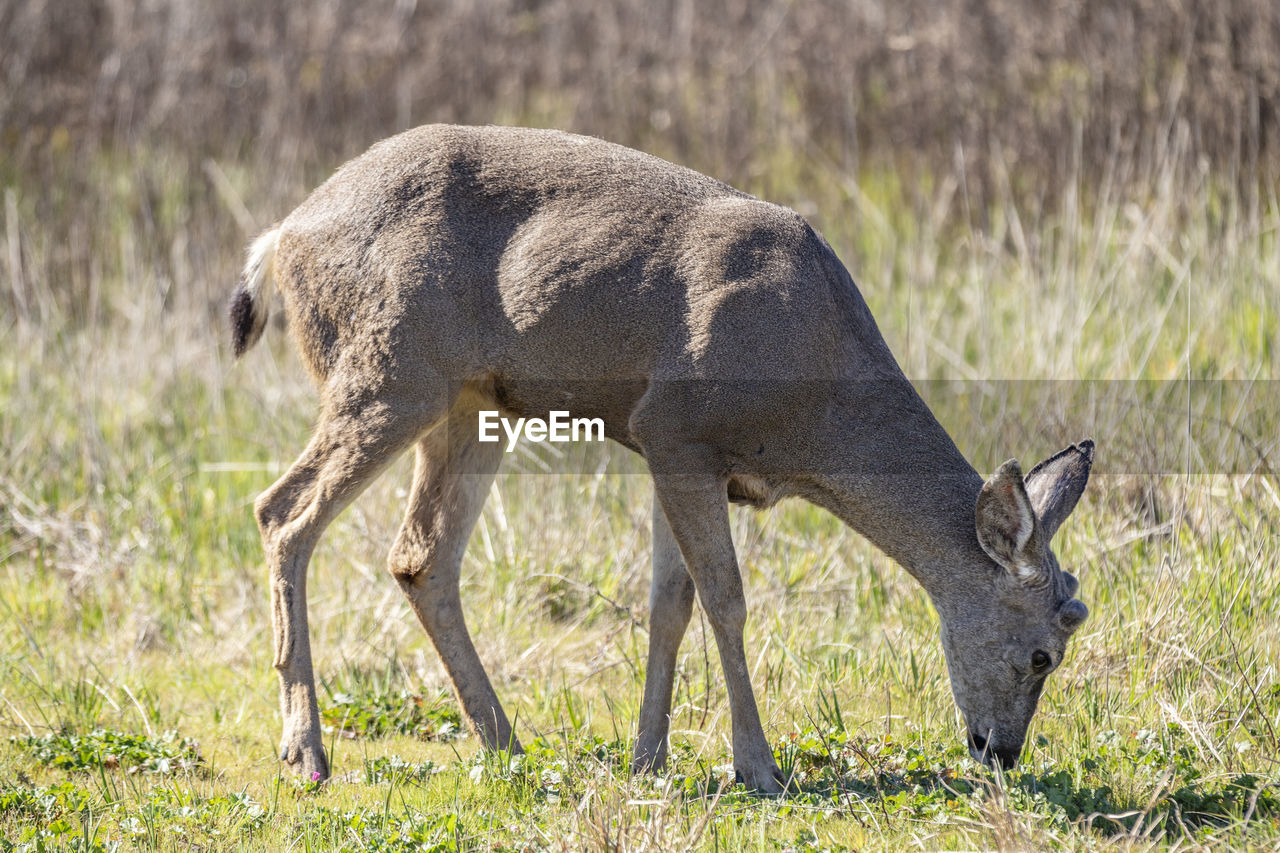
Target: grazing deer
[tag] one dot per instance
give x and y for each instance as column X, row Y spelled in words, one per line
column 450, row 270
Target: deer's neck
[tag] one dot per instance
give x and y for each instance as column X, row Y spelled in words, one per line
column 893, row 474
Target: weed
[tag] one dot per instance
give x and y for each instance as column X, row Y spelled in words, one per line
column 395, row 770
column 365, row 713
column 104, row 749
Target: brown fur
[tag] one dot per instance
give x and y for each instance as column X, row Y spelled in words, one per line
column 450, row 269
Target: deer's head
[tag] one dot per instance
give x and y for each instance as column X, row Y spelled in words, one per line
column 1004, row 637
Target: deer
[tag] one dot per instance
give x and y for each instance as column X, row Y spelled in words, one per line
column 452, row 270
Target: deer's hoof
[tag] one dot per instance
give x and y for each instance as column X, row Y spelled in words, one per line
column 764, row 779
column 306, row 761
column 648, row 759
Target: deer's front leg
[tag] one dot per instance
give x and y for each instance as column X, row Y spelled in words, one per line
column 670, row 606
column 696, row 507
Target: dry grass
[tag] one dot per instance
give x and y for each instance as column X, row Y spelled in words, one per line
column 1072, row 199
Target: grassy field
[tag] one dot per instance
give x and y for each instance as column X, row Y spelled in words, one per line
column 137, row 698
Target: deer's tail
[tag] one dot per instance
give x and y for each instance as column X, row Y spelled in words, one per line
column 250, row 302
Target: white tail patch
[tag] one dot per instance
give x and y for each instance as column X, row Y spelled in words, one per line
column 258, row 280
column 252, row 299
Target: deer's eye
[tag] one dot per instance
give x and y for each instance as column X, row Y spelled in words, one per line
column 1040, row 660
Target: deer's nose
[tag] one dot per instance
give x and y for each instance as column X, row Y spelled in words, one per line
column 1008, row 757
column 982, row 750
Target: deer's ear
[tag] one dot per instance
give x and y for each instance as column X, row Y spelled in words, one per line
column 1055, row 485
column 1006, row 521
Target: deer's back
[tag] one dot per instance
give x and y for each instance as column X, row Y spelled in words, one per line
column 541, row 259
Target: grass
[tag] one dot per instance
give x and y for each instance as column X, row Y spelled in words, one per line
column 137, row 698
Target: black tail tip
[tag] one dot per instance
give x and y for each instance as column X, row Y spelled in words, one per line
column 241, row 313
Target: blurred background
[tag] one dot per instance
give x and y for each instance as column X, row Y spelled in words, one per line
column 201, row 122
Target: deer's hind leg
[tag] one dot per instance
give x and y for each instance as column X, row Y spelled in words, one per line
column 452, row 475
column 357, row 437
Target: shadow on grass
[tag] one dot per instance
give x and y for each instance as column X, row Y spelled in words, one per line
column 920, row 782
